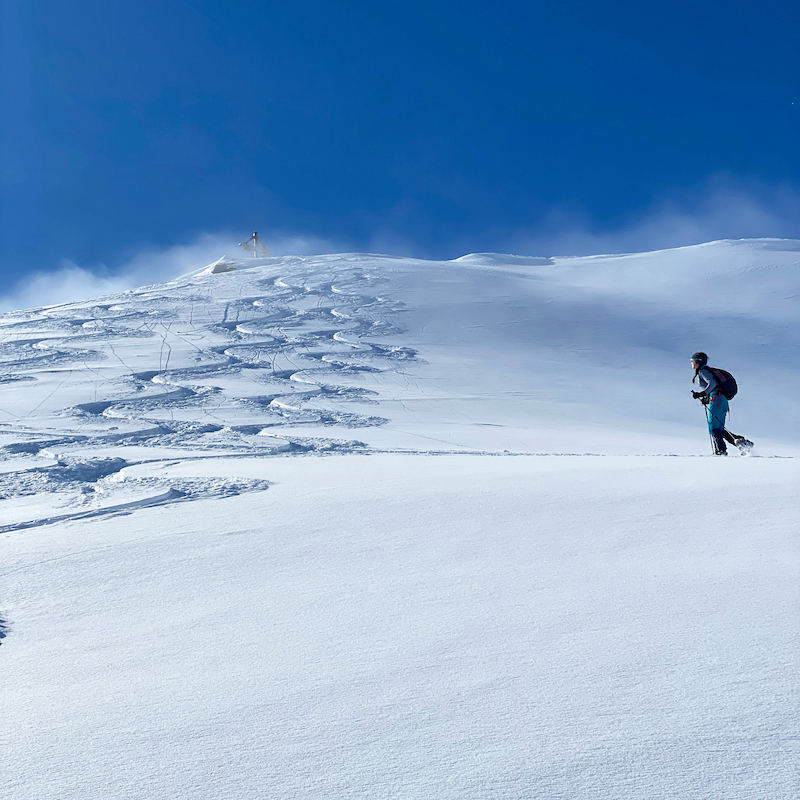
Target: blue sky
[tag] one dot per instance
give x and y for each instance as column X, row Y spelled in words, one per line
column 433, row 128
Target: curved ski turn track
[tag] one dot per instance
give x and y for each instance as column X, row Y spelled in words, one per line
column 265, row 359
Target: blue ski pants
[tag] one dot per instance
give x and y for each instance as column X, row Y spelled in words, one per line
column 717, row 411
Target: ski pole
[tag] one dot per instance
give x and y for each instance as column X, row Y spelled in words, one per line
column 708, row 424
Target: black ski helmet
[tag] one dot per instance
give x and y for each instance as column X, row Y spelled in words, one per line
column 700, row 358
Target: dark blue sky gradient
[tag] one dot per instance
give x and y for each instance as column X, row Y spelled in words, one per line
column 448, row 125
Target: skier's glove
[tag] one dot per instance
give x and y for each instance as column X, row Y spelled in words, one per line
column 698, row 395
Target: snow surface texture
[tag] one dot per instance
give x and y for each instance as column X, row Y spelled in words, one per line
column 361, row 526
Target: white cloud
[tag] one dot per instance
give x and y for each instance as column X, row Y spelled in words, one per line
column 288, row 245
column 69, row 283
column 723, row 210
column 73, row 283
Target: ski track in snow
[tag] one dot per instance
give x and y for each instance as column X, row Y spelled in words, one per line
column 238, row 360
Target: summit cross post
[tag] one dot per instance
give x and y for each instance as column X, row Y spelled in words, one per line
column 255, row 246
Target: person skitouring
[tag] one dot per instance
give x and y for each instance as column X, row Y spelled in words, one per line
column 716, row 404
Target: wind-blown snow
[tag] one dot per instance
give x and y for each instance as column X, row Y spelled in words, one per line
column 357, row 525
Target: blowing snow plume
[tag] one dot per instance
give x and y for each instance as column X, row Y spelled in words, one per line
column 72, row 282
column 723, row 210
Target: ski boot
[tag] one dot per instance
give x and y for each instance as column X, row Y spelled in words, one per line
column 744, row 446
column 718, row 440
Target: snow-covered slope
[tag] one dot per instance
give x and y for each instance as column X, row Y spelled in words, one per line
column 356, row 525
